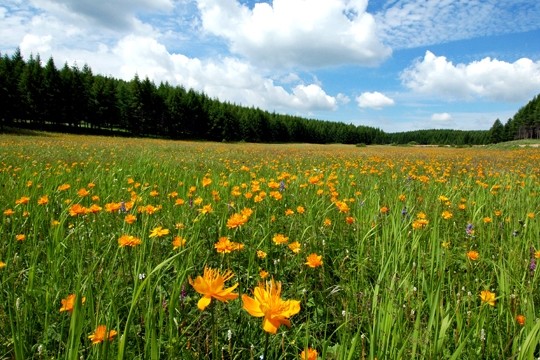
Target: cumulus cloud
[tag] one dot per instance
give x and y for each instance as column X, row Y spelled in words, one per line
column 225, row 78
column 488, row 78
column 306, row 33
column 374, row 100
column 441, row 117
column 414, row 23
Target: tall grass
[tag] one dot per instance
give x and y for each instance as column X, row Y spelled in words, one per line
column 393, row 226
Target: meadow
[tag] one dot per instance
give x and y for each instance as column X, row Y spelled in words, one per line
column 146, row 249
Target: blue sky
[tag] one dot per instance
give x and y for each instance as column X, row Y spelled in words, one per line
column 397, row 65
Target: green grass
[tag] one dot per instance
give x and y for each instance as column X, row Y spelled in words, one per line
column 388, row 287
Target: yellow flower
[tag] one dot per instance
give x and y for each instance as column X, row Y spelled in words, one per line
column 295, row 247
column 2, row 264
column 68, row 304
column 314, row 260
column 206, row 181
column 537, row 254
column 309, row 354
column 159, row 232
column 488, row 297
column 446, row 215
column 261, row 254
column 280, row 239
column 206, row 209
column 128, row 240
column 210, row 285
column 101, row 334
column 267, row 303
column 487, row 220
column 178, row 241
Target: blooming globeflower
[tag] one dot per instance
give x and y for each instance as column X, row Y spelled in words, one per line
column 267, row 302
column 101, row 334
column 487, row 297
column 211, row 285
column 314, row 260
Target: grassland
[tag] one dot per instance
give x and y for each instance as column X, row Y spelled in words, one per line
column 389, row 252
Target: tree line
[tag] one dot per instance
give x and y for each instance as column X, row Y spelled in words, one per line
column 73, row 99
column 524, row 125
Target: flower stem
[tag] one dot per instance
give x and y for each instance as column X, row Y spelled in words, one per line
column 266, row 345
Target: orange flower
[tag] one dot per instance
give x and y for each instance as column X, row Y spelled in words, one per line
column 9, row 212
column 130, row 218
column 300, row 209
column 473, row 255
column 314, row 260
column 210, row 285
column 159, row 232
column 77, row 209
column 280, row 239
column 179, row 202
column 22, row 201
column 236, row 220
column 20, row 237
column 263, row 274
column 384, row 210
column 267, row 303
column 487, row 297
column 487, row 220
column 327, row 222
column 83, row 192
column 68, row 304
column 128, row 240
column 64, row 187
column 101, row 334
column 44, row 200
column 289, row 212
column 225, row 246
column 349, row 220
column 295, row 247
column 261, row 254
column 309, row 354
column 154, row 193
column 178, row 241
column 520, row 319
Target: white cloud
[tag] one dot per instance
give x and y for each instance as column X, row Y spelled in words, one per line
column 414, row 23
column 442, row 117
column 226, row 78
column 488, row 78
column 374, row 100
column 306, row 33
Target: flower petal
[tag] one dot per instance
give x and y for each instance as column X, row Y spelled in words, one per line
column 204, row 302
column 252, row 306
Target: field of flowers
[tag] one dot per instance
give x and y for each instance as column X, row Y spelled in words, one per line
column 147, row 249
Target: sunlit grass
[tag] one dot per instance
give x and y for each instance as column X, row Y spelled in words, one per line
column 388, row 250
